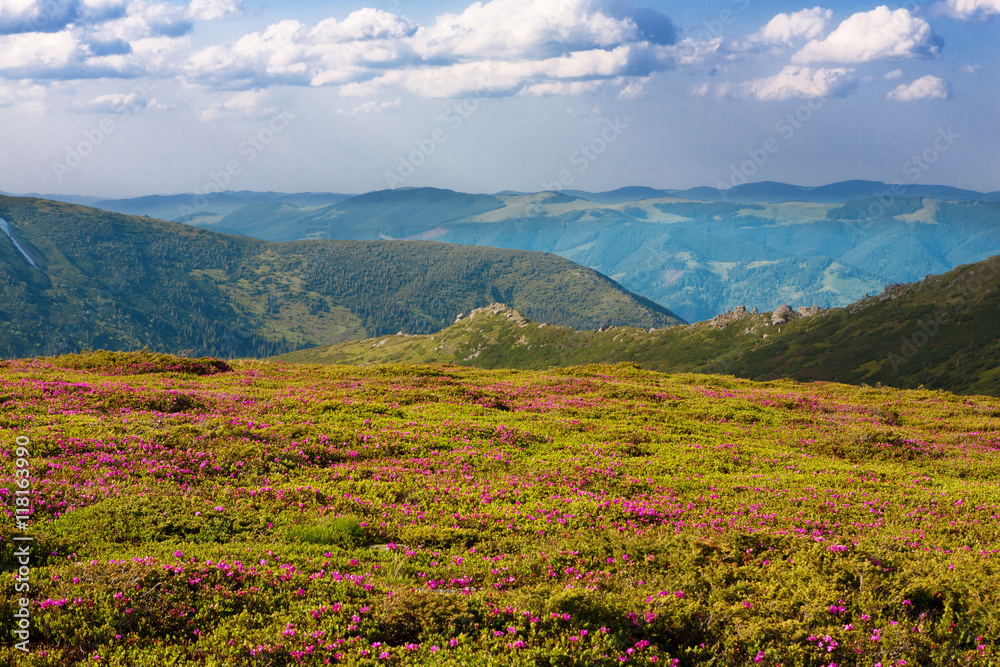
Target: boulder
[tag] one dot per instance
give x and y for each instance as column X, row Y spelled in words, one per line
column 728, row 317
column 782, row 314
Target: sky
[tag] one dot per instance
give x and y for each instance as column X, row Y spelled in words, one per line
column 122, row 98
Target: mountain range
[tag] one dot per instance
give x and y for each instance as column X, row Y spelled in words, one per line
column 74, row 277
column 175, row 207
column 936, row 333
column 696, row 258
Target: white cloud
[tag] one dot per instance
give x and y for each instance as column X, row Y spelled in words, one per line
column 523, row 29
column 364, row 24
column 144, row 20
column 799, row 82
column 634, row 89
column 24, row 16
column 489, row 78
column 23, row 97
column 925, row 88
column 502, row 46
column 693, row 52
column 290, row 52
column 970, row 10
column 563, row 88
column 970, row 69
column 373, row 107
column 244, row 105
column 118, row 103
column 27, row 54
column 207, row 10
column 879, row 34
column 79, row 39
column 786, row 29
column 894, row 74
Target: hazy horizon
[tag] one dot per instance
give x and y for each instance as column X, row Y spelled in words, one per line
column 100, row 196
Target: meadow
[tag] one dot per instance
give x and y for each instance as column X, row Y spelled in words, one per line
column 199, row 512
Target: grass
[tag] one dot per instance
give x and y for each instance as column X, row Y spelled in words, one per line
column 344, row 531
column 411, row 515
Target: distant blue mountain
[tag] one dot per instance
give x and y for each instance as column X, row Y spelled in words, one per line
column 184, row 207
column 619, row 196
column 773, row 192
column 697, row 258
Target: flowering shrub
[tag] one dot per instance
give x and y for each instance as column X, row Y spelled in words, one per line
column 408, row 515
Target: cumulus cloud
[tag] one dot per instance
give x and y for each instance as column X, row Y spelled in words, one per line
column 894, row 74
column 787, row 29
column 563, row 88
column 523, row 29
column 798, row 82
column 77, row 39
column 970, row 10
column 23, row 97
column 491, row 78
column 290, row 52
column 207, row 10
column 692, row 52
column 879, row 34
column 500, row 47
column 925, row 88
column 26, row 55
column 119, row 103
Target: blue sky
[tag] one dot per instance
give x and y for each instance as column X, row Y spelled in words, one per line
column 131, row 97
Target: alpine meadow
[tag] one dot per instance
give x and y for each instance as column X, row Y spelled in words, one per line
column 511, row 332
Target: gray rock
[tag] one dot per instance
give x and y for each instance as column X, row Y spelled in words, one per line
column 782, row 315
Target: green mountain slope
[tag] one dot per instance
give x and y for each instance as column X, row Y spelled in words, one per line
column 940, row 332
column 699, row 258
column 114, row 281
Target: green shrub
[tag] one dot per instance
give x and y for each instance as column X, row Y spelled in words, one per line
column 343, row 531
column 138, row 363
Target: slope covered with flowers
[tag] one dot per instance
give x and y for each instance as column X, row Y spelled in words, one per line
column 269, row 514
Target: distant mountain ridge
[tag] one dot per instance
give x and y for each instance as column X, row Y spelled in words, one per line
column 80, row 277
column 775, row 192
column 696, row 258
column 168, row 207
column 696, row 252
column 939, row 333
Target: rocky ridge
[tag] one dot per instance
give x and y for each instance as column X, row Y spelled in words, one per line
column 781, row 315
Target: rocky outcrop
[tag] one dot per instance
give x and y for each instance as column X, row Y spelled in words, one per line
column 501, row 309
column 730, row 316
column 782, row 314
column 808, row 312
